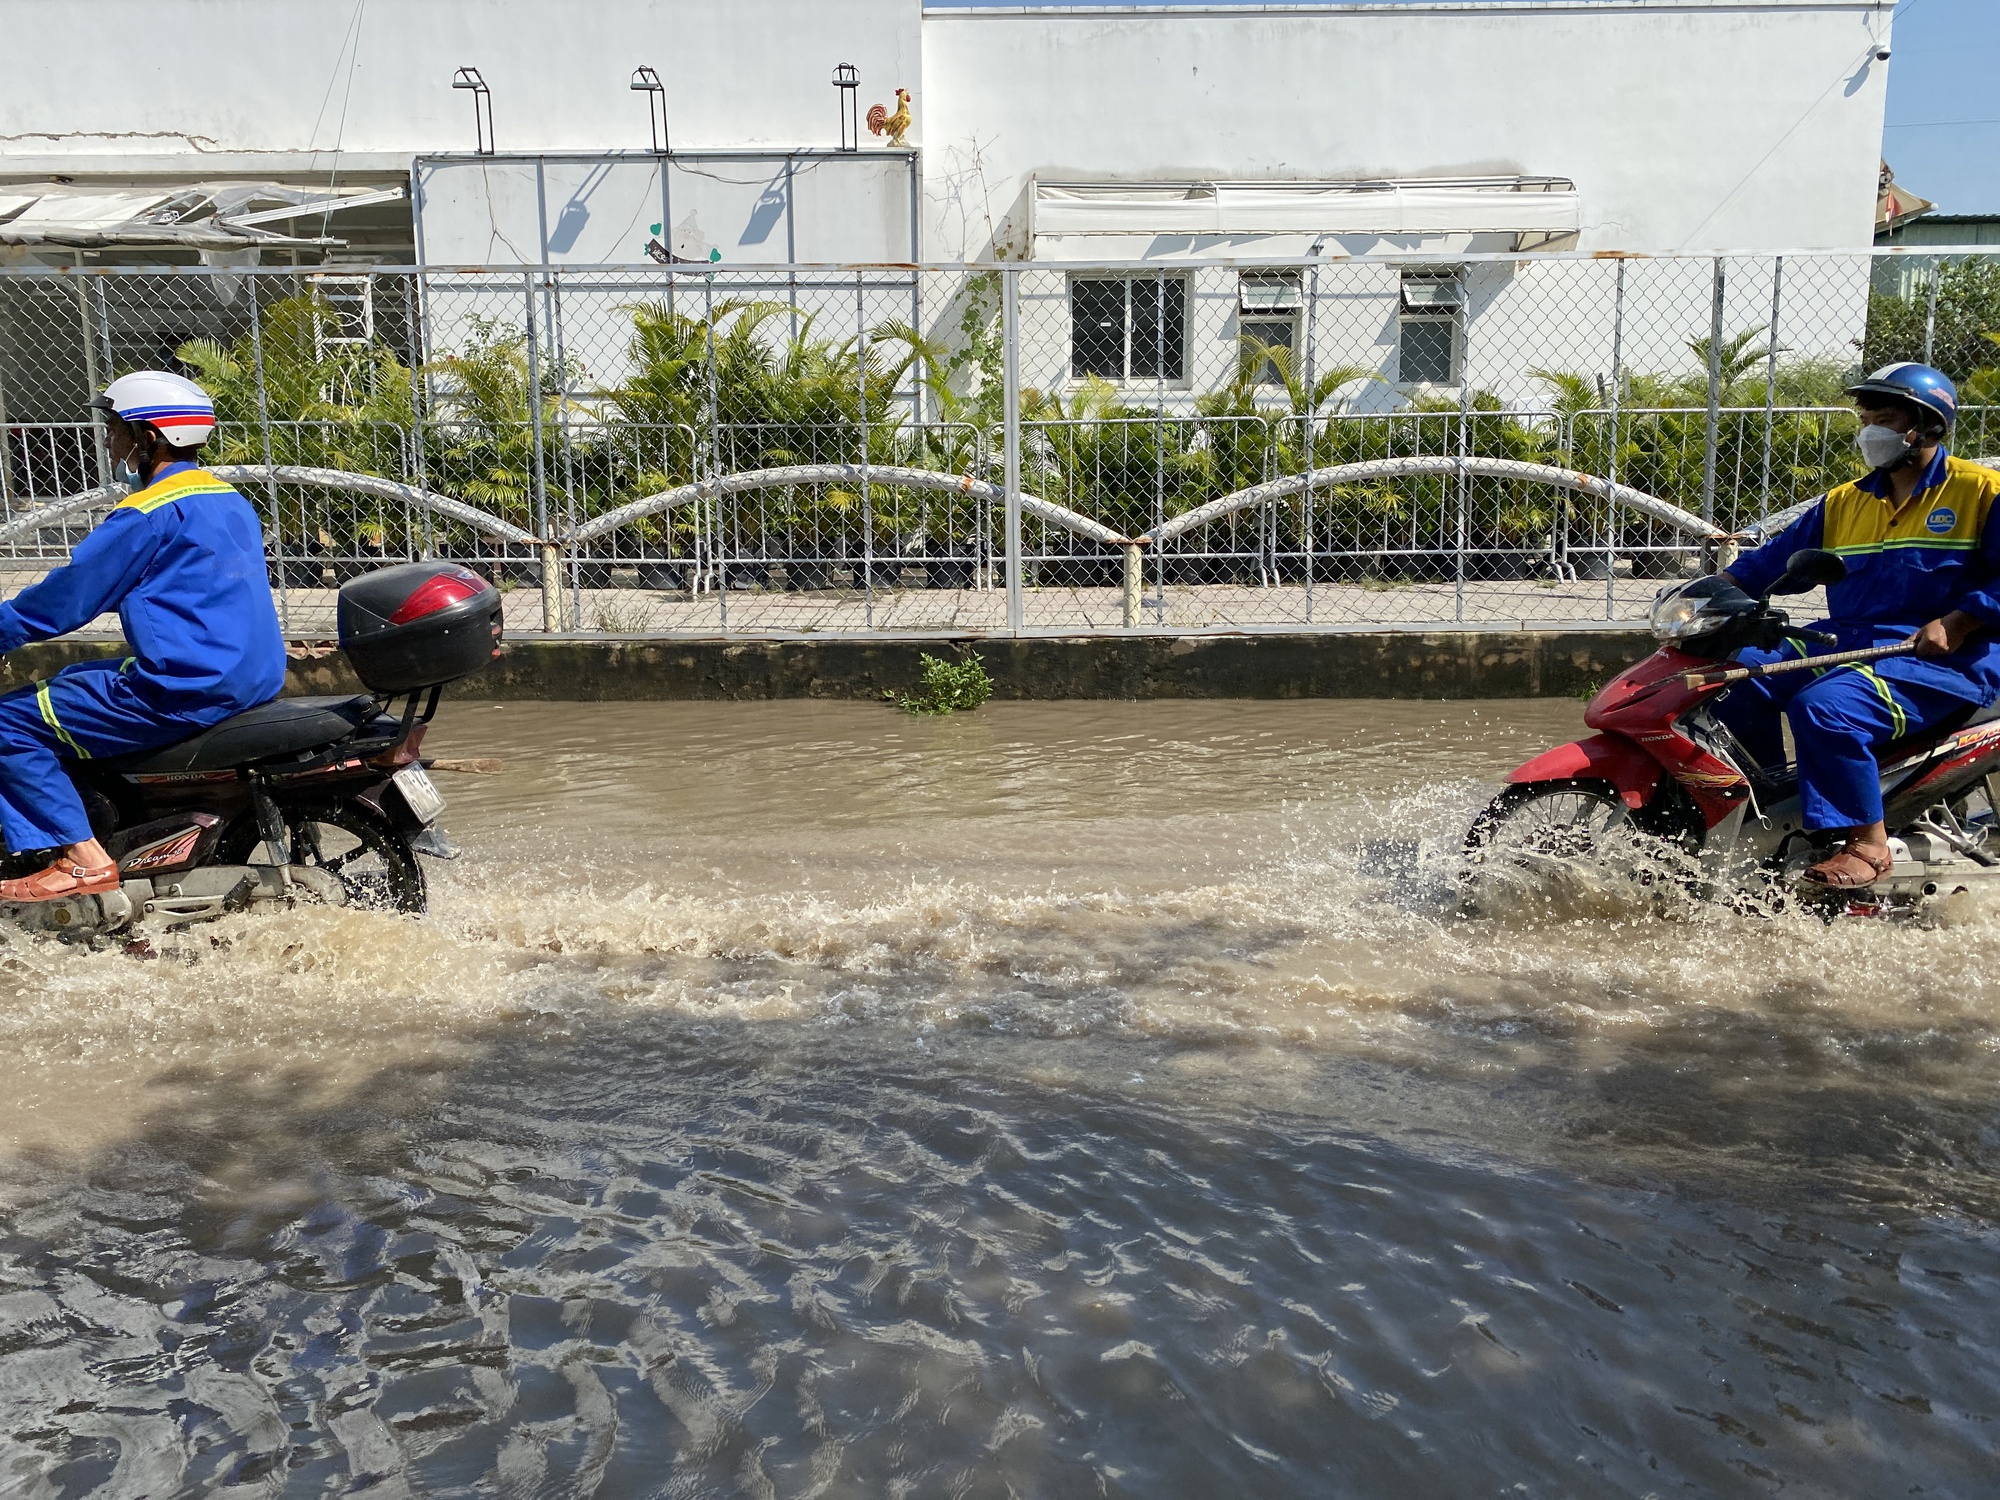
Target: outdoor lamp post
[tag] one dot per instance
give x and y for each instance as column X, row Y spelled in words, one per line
column 848, row 82
column 482, row 107
column 646, row 81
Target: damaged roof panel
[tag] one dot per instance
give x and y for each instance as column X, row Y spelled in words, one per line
column 196, row 216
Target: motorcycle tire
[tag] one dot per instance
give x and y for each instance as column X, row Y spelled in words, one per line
column 1564, row 824
column 350, row 841
column 1558, row 818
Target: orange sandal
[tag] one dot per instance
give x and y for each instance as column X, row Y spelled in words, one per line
column 1851, row 869
column 59, row 880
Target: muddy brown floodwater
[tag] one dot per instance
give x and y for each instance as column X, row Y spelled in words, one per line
column 1066, row 1099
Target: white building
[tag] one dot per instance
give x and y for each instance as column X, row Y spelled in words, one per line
column 1682, row 124
column 1069, row 136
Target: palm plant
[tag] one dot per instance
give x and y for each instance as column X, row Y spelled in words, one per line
column 1735, row 358
column 332, row 405
column 328, row 401
column 777, row 402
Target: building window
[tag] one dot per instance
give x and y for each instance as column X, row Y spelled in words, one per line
column 1430, row 327
column 1267, row 320
column 1117, row 331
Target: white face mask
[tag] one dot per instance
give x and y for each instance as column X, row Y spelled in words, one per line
column 1881, row 446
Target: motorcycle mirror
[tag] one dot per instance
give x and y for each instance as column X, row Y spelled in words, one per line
column 1810, row 568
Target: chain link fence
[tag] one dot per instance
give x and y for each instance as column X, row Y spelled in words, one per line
column 1181, row 445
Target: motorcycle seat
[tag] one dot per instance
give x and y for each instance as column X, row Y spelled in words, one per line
column 284, row 726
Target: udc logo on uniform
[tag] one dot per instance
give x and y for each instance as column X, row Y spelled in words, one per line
column 1941, row 520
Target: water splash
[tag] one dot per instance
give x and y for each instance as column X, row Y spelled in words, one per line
column 926, row 1107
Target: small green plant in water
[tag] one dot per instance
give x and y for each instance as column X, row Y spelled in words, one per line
column 948, row 686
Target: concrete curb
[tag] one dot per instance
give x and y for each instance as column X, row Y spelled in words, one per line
column 1387, row 664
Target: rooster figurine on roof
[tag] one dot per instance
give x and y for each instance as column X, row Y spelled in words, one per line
column 881, row 122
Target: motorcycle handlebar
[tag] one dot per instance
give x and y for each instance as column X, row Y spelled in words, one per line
column 1817, row 637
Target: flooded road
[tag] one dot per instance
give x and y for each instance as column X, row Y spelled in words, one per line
column 1066, row 1099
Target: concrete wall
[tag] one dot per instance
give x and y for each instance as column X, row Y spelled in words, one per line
column 1685, row 124
column 199, row 77
column 1389, row 664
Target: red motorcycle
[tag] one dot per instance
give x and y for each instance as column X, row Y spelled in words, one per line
column 1664, row 767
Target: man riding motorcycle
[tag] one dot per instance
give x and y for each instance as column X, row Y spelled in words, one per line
column 181, row 559
column 1920, row 534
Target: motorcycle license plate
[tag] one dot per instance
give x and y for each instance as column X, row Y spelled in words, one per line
column 424, row 800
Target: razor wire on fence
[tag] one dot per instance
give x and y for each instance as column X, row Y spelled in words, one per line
column 1182, row 445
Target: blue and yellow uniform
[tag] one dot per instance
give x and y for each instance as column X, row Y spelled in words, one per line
column 182, row 561
column 1906, row 566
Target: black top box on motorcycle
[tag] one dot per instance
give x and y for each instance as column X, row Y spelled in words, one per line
column 418, row 625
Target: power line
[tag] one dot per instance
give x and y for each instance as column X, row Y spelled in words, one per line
column 1778, row 144
column 340, row 132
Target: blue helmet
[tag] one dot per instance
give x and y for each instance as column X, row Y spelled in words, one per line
column 1917, row 384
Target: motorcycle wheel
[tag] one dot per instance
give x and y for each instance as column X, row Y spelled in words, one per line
column 1523, row 831
column 1556, row 819
column 352, row 843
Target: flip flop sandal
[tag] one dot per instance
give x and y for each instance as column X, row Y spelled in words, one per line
column 1831, row 874
column 59, row 880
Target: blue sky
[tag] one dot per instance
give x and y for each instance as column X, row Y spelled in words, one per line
column 1943, row 127
column 1943, row 130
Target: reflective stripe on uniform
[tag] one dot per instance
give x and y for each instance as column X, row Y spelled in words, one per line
column 1897, row 720
column 177, row 487
column 1905, row 543
column 47, row 705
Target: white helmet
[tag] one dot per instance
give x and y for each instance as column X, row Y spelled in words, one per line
column 175, row 405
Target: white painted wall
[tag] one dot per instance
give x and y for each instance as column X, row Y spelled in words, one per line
column 145, row 77
column 826, row 208
column 1558, row 313
column 1685, row 124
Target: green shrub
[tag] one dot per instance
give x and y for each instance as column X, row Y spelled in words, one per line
column 948, row 686
column 1968, row 307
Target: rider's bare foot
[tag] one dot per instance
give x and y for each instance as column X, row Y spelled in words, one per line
column 84, row 870
column 1854, row 866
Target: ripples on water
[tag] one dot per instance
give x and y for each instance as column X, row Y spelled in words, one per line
column 1070, row 1099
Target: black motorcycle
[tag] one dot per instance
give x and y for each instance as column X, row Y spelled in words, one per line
column 321, row 799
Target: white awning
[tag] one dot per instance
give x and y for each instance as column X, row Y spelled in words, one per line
column 200, row 216
column 1475, row 205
